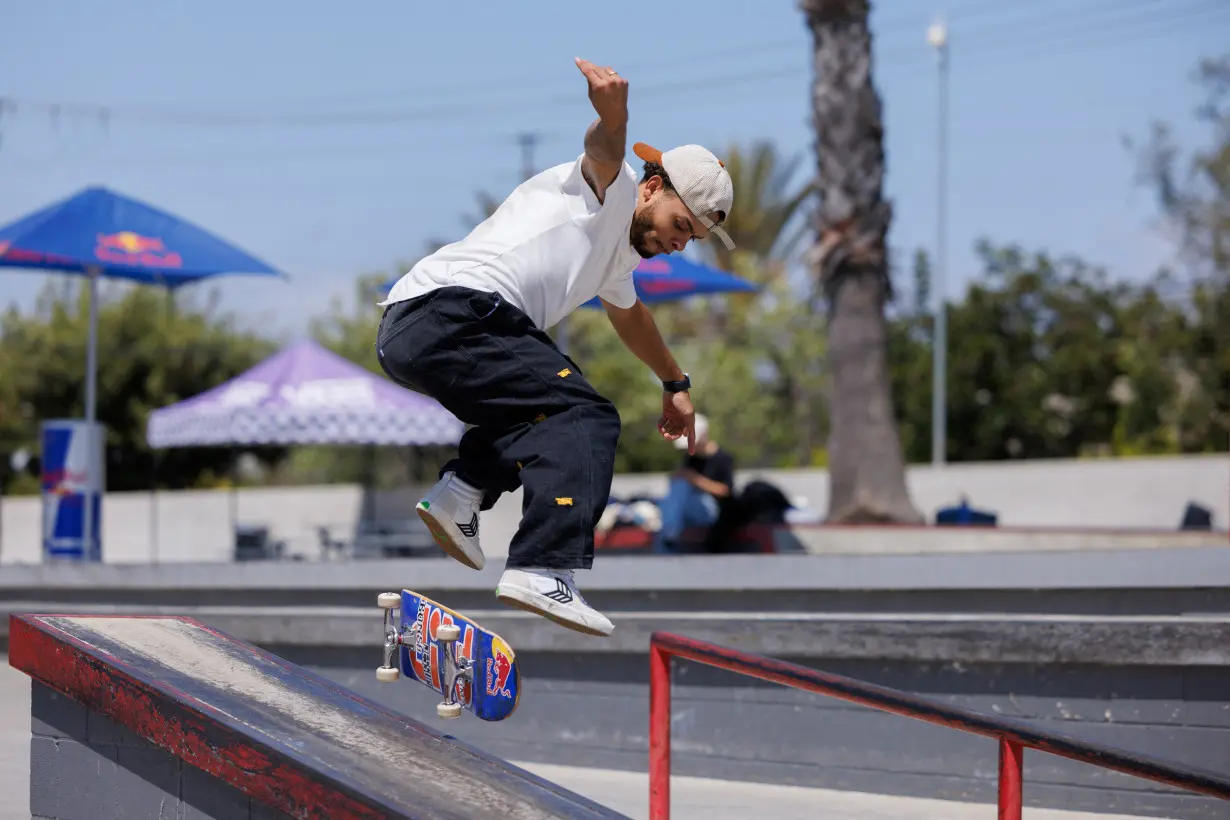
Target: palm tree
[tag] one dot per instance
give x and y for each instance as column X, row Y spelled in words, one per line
column 767, row 202
column 866, row 467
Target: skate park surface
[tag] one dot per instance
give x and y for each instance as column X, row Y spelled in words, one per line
column 623, row 792
column 693, row 798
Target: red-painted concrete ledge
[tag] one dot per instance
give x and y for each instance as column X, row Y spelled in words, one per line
column 288, row 738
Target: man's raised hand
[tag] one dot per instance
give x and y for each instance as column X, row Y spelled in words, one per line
column 608, row 92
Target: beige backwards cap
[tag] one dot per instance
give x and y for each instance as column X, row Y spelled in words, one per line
column 700, row 179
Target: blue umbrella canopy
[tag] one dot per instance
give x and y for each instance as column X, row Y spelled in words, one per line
column 100, row 232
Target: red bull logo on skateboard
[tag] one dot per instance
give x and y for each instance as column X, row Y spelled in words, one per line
column 128, row 248
column 499, row 666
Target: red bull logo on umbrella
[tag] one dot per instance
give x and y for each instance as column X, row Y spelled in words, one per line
column 128, row 248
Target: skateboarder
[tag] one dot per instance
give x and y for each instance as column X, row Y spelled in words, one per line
column 467, row 325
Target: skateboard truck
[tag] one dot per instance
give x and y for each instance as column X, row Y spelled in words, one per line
column 456, row 670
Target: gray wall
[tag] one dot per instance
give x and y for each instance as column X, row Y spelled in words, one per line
column 591, row 709
column 84, row 766
column 195, row 525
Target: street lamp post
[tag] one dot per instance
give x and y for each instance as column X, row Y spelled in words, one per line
column 937, row 38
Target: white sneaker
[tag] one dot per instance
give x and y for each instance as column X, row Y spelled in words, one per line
column 553, row 594
column 450, row 511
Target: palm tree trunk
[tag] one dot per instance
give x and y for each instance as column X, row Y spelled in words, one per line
column 866, row 467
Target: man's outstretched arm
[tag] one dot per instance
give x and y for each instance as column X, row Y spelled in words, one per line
column 639, row 333
column 606, row 138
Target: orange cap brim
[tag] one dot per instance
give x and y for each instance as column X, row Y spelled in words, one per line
column 647, row 152
column 651, row 154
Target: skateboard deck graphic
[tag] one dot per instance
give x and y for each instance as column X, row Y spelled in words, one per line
column 473, row 668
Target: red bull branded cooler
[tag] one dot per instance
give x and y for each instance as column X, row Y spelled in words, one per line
column 71, row 479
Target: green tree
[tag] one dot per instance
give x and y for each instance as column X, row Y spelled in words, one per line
column 909, row 357
column 1193, row 193
column 1051, row 358
column 777, row 330
column 152, row 353
column 1031, row 374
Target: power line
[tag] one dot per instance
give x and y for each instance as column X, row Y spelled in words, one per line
column 1108, row 13
column 177, row 116
column 709, row 95
column 1109, row 35
column 703, row 98
column 911, row 25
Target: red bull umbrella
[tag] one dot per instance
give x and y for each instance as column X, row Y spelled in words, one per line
column 668, row 278
column 99, row 233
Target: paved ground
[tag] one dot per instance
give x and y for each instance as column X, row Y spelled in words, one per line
column 693, row 798
column 696, row 798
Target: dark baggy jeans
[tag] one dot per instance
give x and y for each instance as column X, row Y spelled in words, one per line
column 538, row 424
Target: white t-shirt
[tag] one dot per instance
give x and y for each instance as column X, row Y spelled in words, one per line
column 548, row 249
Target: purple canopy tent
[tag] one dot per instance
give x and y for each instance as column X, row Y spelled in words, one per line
column 304, row 394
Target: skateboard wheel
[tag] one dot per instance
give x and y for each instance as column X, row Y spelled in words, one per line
column 389, row 600
column 448, row 632
column 387, row 674
column 449, row 711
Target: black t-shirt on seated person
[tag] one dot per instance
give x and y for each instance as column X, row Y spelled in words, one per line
column 719, row 467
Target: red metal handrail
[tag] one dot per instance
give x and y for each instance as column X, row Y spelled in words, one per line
column 1013, row 735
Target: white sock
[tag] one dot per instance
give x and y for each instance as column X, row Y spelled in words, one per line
column 468, row 493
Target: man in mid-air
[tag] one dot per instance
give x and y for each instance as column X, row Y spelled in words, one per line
column 467, row 325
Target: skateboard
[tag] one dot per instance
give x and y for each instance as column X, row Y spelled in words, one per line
column 447, row 652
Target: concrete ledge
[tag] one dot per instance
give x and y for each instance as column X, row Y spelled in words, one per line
column 858, row 540
column 177, row 696
column 1116, row 641
column 1194, row 567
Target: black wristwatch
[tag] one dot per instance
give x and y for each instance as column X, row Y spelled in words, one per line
column 679, row 386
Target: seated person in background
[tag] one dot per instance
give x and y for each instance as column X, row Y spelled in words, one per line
column 697, row 489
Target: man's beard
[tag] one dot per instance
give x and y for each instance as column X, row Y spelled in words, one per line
column 641, row 225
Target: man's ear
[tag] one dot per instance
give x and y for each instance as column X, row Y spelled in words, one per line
column 650, row 187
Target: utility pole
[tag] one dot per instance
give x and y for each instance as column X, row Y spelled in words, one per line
column 528, row 139
column 937, row 37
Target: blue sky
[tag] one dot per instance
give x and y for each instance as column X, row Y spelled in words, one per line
column 333, row 142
